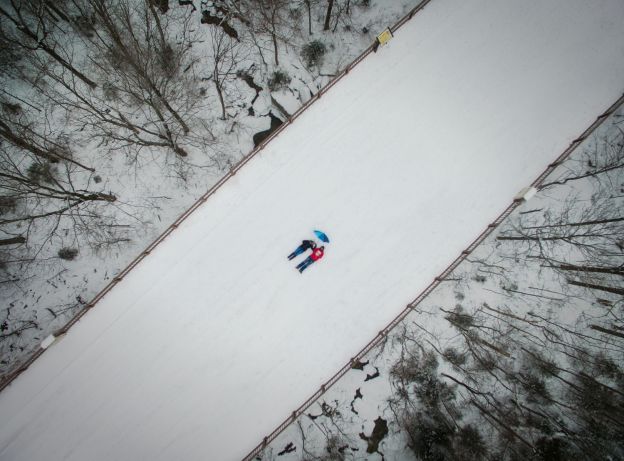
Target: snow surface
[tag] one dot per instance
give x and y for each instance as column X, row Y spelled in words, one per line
column 215, row 338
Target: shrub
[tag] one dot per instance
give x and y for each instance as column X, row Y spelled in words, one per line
column 9, row 59
column 429, row 435
column 605, row 366
column 535, row 388
column 12, row 109
column 68, row 254
column 279, row 79
column 7, row 204
column 313, row 53
column 110, row 91
column 334, row 449
column 85, row 25
column 470, row 444
column 459, row 319
column 453, row 356
column 415, row 368
column 536, row 361
column 41, row 172
column 552, row 449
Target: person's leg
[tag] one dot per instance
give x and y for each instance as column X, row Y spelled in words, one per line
column 304, row 262
column 308, row 262
column 295, row 253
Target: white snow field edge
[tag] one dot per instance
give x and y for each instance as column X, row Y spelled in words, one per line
column 210, row 342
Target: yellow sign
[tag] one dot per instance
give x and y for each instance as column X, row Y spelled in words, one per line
column 384, row 37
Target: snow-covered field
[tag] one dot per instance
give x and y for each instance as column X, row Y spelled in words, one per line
column 215, row 338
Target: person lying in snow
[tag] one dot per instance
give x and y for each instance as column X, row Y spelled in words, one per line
column 315, row 256
column 305, row 244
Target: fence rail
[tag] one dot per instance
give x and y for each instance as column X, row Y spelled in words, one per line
column 432, row 286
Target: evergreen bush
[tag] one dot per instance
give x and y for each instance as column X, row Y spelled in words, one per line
column 68, row 254
column 313, row 53
column 279, row 79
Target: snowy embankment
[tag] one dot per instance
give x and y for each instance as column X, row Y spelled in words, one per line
column 214, row 338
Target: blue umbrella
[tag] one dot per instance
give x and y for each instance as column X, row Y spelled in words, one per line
column 322, row 236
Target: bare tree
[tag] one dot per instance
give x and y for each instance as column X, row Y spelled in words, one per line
column 143, row 63
column 42, row 189
column 274, row 22
column 29, row 25
column 226, row 56
column 41, row 183
column 582, row 236
column 271, row 18
column 22, row 132
column 601, row 162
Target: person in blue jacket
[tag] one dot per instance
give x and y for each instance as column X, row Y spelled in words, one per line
column 305, row 245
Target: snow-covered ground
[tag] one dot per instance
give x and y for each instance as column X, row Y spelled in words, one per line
column 215, row 338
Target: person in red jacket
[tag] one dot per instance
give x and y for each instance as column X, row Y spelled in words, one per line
column 315, row 256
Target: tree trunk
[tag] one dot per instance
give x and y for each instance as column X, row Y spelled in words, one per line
column 577, row 224
column 68, row 66
column 602, row 270
column 168, row 136
column 44, row 46
column 18, row 141
column 607, row 331
column 220, row 93
column 12, row 240
column 617, row 291
column 586, row 175
column 537, row 239
column 166, row 104
column 274, row 37
column 307, row 2
column 59, row 193
column 50, row 5
column 5, row 132
column 330, row 5
column 163, row 41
